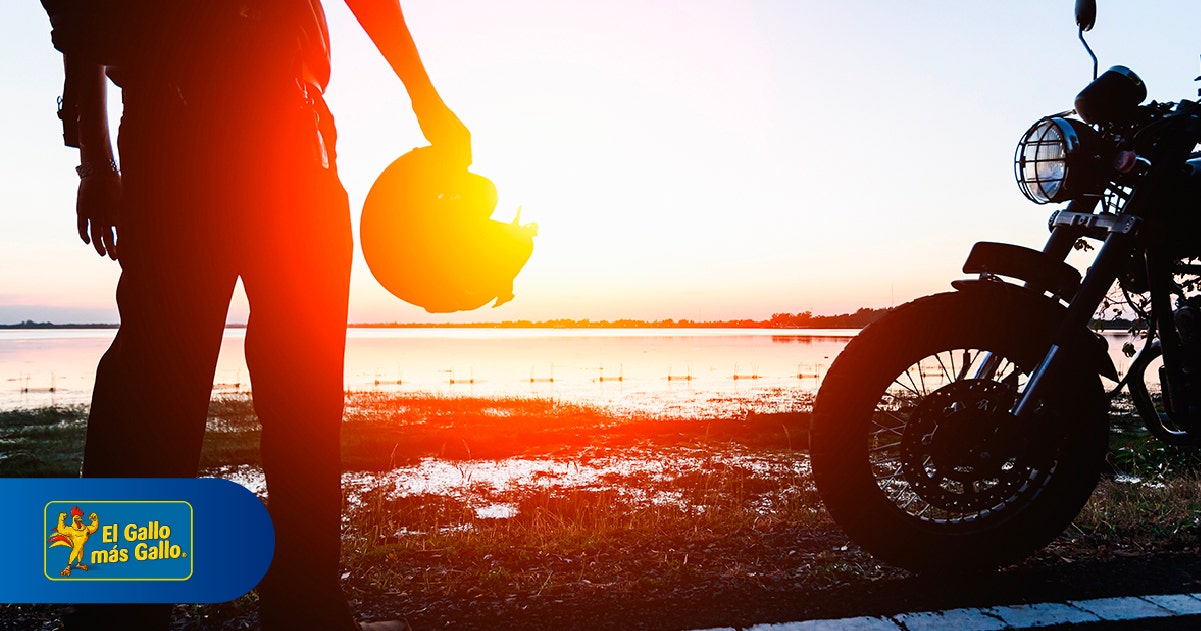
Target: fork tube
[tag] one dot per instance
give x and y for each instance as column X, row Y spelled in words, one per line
column 1059, row 245
column 1079, row 313
column 1062, row 239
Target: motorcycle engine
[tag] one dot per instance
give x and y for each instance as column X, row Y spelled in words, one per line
column 1182, row 390
column 1188, row 325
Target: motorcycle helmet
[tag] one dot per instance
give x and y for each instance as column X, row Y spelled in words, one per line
column 428, row 235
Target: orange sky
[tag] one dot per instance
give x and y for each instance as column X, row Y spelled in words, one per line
column 705, row 160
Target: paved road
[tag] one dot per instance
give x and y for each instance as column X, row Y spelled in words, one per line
column 1161, row 612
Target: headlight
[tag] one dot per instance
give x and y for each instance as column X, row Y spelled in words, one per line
column 1112, row 97
column 1055, row 160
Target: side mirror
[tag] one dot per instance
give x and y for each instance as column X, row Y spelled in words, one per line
column 1086, row 14
column 1086, row 18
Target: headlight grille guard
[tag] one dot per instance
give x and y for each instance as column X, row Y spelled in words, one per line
column 1050, row 140
column 1072, row 155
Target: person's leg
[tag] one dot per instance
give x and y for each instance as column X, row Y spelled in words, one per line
column 153, row 384
column 150, row 399
column 298, row 283
column 151, row 396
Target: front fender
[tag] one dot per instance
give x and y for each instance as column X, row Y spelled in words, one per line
column 1039, row 270
column 1092, row 345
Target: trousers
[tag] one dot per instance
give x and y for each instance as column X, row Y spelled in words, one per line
column 220, row 187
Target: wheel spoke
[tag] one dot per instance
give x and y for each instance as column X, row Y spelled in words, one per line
column 912, row 389
column 914, row 420
column 945, row 373
column 967, row 363
column 941, row 446
column 895, row 429
column 884, row 447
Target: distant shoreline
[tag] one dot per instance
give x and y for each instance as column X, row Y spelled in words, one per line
column 473, row 325
column 805, row 320
column 782, row 321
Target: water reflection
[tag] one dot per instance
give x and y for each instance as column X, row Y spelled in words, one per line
column 809, row 336
column 707, row 371
column 483, row 485
column 702, row 372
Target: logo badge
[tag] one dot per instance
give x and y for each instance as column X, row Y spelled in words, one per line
column 131, row 540
column 118, row 541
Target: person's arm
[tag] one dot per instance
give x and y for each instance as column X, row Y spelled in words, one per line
column 98, row 199
column 384, row 23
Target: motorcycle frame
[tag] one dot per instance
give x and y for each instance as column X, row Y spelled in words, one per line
column 1121, row 235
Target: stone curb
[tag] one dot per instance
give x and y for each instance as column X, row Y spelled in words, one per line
column 1002, row 617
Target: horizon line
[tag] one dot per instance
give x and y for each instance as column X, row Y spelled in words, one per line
column 775, row 321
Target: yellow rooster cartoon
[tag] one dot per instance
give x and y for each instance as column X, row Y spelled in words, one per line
column 75, row 536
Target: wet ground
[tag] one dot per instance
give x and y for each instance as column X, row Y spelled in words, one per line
column 688, row 559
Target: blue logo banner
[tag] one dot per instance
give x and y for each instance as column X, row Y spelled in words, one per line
column 131, row 540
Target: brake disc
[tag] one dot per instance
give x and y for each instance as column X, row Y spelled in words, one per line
column 959, row 451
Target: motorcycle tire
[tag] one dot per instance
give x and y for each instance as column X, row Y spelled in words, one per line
column 916, row 454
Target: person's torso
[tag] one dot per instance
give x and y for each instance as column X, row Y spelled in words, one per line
column 214, row 44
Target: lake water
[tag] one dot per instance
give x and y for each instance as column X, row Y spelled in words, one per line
column 689, row 372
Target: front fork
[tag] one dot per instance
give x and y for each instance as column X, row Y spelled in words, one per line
column 1058, row 362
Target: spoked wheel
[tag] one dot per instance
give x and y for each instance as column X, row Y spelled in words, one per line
column 943, row 446
column 915, row 449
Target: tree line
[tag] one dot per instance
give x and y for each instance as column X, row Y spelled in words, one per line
column 803, row 320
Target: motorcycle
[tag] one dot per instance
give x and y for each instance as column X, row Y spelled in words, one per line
column 965, row 430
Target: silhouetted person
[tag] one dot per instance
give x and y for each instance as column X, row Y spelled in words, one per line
column 227, row 171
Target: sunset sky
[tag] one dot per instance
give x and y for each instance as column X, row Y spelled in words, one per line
column 684, row 159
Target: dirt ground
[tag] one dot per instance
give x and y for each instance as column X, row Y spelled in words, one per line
column 779, row 585
column 786, row 574
column 775, row 571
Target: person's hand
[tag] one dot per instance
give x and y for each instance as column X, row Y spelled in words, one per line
column 97, row 210
column 62, row 516
column 446, row 133
column 93, row 517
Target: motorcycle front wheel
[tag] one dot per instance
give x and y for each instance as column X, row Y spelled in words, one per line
column 916, row 453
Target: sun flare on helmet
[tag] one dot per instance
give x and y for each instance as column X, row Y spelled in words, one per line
column 428, row 235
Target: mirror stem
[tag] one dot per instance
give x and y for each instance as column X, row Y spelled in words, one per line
column 1090, row 53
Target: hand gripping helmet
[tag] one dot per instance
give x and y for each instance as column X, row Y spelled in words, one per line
column 429, row 238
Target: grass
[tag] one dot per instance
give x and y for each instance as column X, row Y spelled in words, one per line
column 610, row 504
column 1144, row 515
column 42, row 442
column 625, row 530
